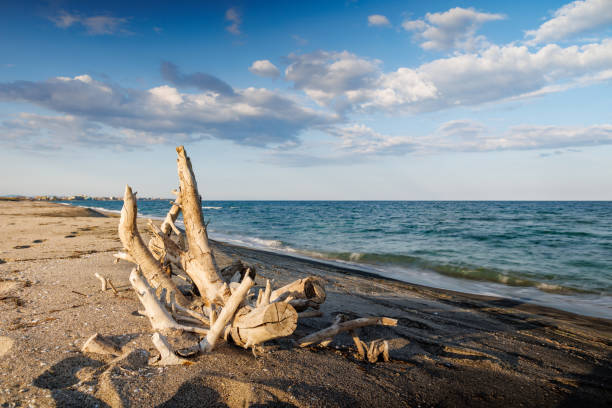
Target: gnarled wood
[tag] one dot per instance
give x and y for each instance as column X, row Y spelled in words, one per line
column 376, row 348
column 198, row 261
column 252, row 327
column 311, row 288
column 160, row 318
column 227, row 313
column 339, row 327
column 139, row 253
column 167, row 356
column 164, row 249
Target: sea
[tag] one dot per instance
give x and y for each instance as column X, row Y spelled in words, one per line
column 556, row 254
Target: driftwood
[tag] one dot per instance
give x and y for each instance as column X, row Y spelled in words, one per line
column 266, row 322
column 138, row 252
column 99, row 345
column 160, row 318
column 339, row 327
column 373, row 351
column 303, row 293
column 105, row 283
column 223, row 304
column 227, row 313
column 102, row 280
column 166, row 353
column 198, row 262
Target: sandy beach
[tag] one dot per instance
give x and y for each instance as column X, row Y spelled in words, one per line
column 449, row 349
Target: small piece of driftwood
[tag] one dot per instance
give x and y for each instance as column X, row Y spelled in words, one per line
column 339, row 327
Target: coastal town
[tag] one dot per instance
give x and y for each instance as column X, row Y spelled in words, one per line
column 74, row 198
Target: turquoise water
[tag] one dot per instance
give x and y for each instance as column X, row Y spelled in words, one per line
column 552, row 253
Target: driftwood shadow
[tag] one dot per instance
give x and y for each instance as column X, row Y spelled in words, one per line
column 61, row 376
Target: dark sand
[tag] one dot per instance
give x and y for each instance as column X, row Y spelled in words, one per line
column 449, row 349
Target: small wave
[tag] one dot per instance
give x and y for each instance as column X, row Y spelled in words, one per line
column 212, row 208
column 481, row 274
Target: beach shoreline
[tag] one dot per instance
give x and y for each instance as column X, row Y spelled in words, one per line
column 449, row 349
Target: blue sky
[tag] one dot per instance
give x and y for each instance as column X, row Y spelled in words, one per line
column 309, row 100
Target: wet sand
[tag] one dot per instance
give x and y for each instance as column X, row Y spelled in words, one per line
column 449, row 349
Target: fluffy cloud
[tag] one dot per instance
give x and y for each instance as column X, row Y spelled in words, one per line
column 95, row 25
column 235, row 19
column 329, row 77
column 346, row 81
column 452, row 29
column 264, row 68
column 378, row 20
column 573, row 18
column 250, row 116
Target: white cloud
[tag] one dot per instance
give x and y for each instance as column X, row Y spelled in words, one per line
column 345, row 81
column 475, row 137
column 358, row 139
column 328, row 77
column 264, row 68
column 251, row 116
column 378, row 20
column 33, row 132
column 235, row 19
column 95, row 25
column 571, row 19
column 452, row 29
column 356, row 143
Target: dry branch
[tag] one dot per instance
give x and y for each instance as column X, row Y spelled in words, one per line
column 227, row 313
column 339, row 327
column 139, row 253
column 102, row 280
column 302, row 293
column 376, row 348
column 167, row 356
column 160, row 318
column 198, row 261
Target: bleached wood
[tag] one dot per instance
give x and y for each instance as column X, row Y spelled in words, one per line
column 167, row 356
column 173, row 213
column 158, row 315
column 164, row 249
column 199, row 318
column 359, row 344
column 265, row 300
column 266, row 322
column 311, row 288
column 135, row 247
column 198, row 261
column 376, row 348
column 339, row 327
column 259, row 297
column 124, row 256
column 168, row 226
column 99, row 345
column 102, row 280
column 227, row 313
